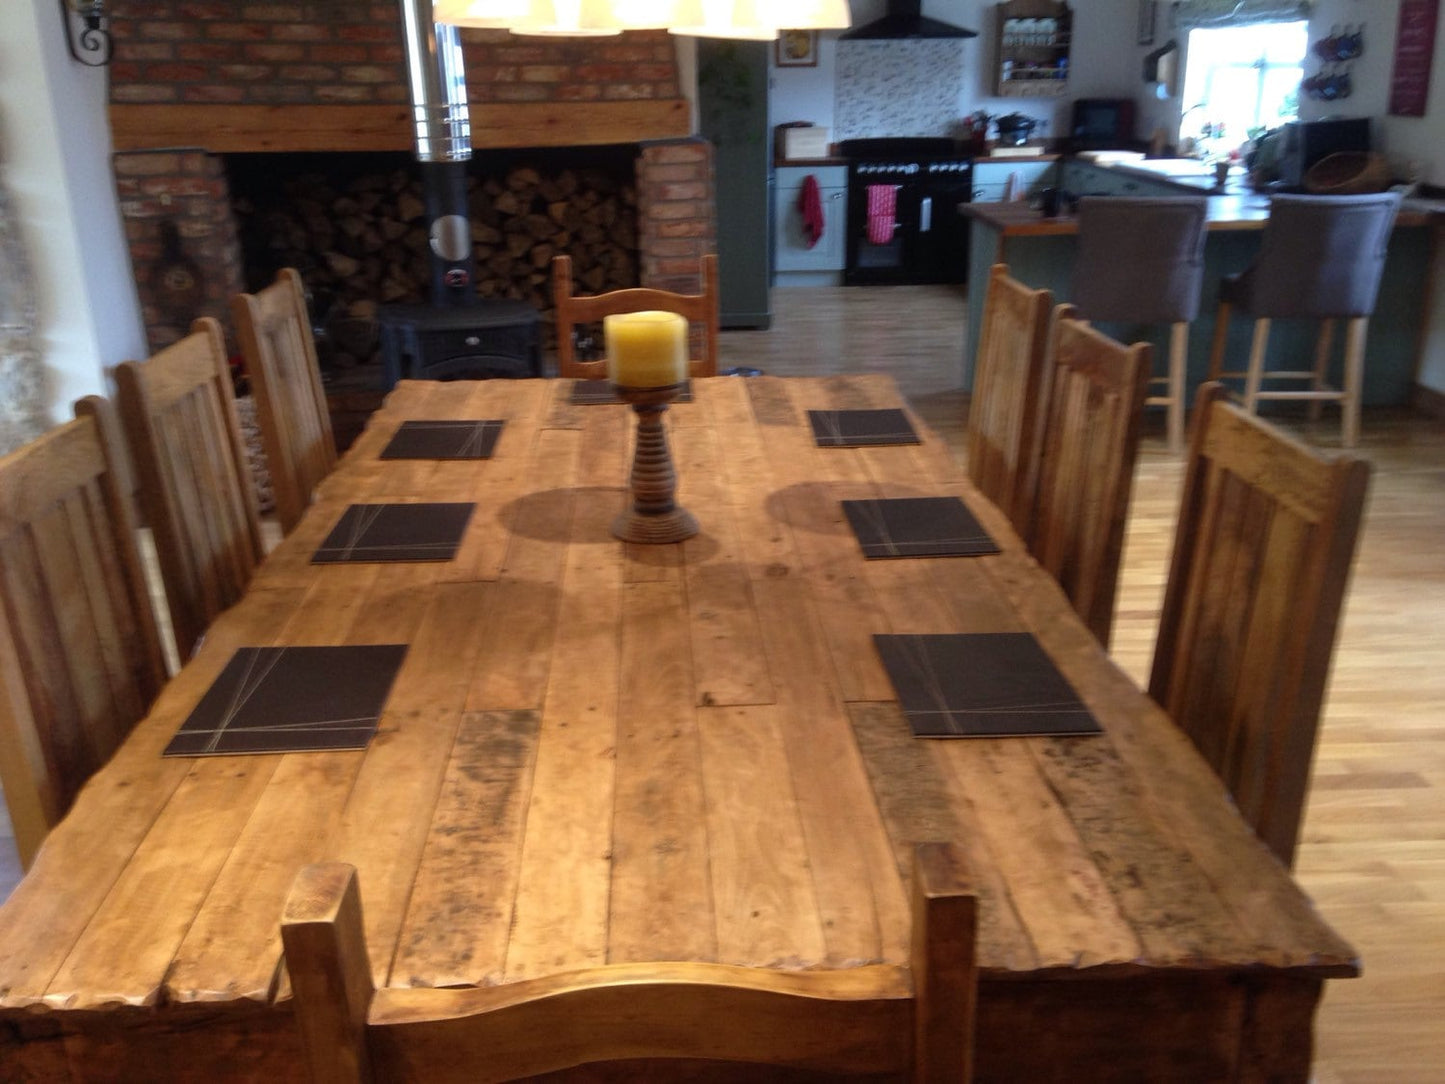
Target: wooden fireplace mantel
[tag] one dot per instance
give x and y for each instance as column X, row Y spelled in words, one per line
column 233, row 129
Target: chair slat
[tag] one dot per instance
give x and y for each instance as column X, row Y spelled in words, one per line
column 700, row 310
column 80, row 657
column 1265, row 538
column 1091, row 431
column 1008, row 386
column 280, row 352
column 194, row 478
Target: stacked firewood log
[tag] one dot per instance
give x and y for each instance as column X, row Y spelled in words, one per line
column 362, row 242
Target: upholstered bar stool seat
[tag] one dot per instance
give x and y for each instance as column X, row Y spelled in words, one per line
column 1142, row 261
column 1321, row 258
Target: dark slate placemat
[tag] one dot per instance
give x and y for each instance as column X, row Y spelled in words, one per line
column 474, row 439
column 981, row 685
column 291, row 700
column 395, row 532
column 851, row 428
column 592, row 392
column 917, row 527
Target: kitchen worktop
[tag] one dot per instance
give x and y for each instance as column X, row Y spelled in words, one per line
column 1245, row 210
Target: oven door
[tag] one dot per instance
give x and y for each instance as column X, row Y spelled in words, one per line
column 929, row 241
column 939, row 252
column 873, row 261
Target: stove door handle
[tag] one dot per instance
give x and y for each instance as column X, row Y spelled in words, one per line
column 925, row 214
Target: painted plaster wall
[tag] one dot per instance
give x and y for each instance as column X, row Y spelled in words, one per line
column 55, row 153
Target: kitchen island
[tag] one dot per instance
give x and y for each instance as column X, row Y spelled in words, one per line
column 1040, row 252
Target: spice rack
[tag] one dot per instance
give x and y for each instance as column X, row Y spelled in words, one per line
column 1033, row 39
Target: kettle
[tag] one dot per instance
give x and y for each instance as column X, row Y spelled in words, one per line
column 1014, row 129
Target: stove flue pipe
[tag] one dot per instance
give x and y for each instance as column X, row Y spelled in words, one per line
column 437, row 81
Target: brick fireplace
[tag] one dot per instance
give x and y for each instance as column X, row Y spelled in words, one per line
column 197, row 80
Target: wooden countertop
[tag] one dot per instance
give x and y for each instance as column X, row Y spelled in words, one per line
column 1247, row 211
column 606, row 753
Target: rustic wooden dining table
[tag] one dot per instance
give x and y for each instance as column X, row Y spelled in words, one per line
column 602, row 752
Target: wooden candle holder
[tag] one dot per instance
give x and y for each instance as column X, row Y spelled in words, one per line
column 654, row 516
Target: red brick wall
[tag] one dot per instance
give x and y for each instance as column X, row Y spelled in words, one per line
column 676, row 224
column 350, row 53
column 187, row 188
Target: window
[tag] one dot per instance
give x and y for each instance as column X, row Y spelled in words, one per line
column 1239, row 79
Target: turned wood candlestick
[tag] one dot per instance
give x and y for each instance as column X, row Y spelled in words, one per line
column 654, row 516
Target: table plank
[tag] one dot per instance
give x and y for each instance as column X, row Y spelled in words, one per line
column 564, row 882
column 763, row 897
column 661, row 908
column 728, row 660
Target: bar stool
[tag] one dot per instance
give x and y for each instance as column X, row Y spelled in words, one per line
column 1321, row 258
column 1142, row 261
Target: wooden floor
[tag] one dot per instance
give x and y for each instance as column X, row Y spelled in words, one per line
column 1373, row 848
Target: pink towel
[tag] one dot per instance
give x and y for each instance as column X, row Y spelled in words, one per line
column 882, row 213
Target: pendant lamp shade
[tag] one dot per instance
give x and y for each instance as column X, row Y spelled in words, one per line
column 758, row 19
column 745, row 19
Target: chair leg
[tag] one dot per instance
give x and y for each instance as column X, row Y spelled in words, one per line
column 1220, row 341
column 1255, row 376
column 1178, row 356
column 1323, row 345
column 1354, row 378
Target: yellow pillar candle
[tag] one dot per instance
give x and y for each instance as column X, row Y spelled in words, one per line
column 645, row 349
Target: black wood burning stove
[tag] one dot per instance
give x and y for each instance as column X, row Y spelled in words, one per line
column 457, row 335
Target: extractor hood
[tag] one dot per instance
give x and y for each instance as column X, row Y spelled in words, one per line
column 905, row 19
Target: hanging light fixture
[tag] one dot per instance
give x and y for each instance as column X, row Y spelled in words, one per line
column 757, row 20
column 744, row 19
column 87, row 34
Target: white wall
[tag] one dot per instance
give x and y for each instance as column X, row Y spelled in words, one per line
column 807, row 93
column 55, row 153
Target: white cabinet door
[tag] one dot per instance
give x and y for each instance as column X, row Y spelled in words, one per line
column 990, row 179
column 792, row 250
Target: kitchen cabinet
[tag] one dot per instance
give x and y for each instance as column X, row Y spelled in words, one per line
column 791, row 251
column 990, row 179
column 1032, row 41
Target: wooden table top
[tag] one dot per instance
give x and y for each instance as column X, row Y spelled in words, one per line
column 605, row 753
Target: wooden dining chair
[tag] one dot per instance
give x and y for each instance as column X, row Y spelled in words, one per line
column 1091, row 429
column 915, row 1020
column 1262, row 552
column 700, row 310
column 80, row 657
column 276, row 341
column 179, row 414
column 1008, row 386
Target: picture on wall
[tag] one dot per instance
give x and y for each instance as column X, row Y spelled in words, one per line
column 797, row 49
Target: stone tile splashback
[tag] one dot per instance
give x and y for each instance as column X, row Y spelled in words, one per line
column 898, row 88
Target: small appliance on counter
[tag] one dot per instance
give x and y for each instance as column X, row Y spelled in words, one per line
column 1014, row 129
column 798, row 140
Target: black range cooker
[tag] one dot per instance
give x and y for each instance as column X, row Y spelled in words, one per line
column 904, row 225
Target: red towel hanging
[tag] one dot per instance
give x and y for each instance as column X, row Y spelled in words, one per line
column 882, row 213
column 810, row 205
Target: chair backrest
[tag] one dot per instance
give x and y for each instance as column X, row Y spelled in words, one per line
column 275, row 336
column 1262, row 554
column 1008, row 386
column 1321, row 256
column 916, row 1020
column 196, row 489
column 1140, row 260
column 80, row 658
column 1086, row 471
column 701, row 311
